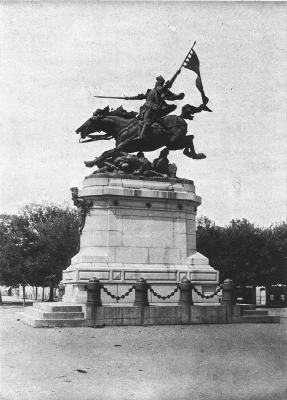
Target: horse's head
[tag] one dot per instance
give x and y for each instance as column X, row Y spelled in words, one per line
column 93, row 124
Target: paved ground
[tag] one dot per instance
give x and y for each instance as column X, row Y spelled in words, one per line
column 198, row 362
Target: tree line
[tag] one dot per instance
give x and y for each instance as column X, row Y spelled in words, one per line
column 246, row 253
column 37, row 244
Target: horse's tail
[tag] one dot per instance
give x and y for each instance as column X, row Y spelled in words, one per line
column 189, row 110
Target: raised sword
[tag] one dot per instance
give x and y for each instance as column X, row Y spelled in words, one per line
column 111, row 97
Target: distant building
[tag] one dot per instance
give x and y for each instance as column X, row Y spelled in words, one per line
column 276, row 296
column 273, row 296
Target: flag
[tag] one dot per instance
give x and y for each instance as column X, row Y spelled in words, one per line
column 192, row 62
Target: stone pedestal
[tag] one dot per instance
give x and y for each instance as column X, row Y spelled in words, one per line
column 138, row 228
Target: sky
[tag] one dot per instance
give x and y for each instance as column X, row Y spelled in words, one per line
column 56, row 55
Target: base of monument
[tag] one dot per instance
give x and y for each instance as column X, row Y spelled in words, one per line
column 77, row 294
column 138, row 228
column 52, row 315
column 119, row 278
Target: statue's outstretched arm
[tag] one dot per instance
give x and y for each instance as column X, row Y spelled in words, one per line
column 138, row 97
column 167, row 93
column 168, row 84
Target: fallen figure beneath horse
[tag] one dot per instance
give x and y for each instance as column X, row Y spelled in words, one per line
column 125, row 127
column 138, row 165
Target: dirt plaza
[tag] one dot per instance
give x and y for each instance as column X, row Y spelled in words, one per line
column 238, row 361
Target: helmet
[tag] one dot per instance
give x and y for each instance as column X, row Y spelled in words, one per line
column 160, row 78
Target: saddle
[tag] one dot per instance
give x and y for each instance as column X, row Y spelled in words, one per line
column 159, row 124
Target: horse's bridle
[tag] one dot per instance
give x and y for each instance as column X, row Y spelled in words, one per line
column 94, row 118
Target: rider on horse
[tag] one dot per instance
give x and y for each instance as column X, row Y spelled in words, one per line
column 155, row 106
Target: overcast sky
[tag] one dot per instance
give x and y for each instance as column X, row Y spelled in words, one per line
column 54, row 57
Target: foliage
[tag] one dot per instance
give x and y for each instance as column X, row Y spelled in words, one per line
column 243, row 252
column 57, row 236
column 37, row 244
column 17, row 250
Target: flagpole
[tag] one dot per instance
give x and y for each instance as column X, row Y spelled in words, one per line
column 159, row 107
column 187, row 55
column 175, row 78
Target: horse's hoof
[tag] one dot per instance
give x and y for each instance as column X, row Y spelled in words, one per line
column 89, row 164
column 200, row 156
column 190, row 154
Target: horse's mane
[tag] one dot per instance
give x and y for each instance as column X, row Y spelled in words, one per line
column 121, row 112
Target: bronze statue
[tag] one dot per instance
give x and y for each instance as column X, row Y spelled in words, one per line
column 131, row 164
column 83, row 206
column 161, row 163
column 124, row 163
column 124, row 131
column 163, row 166
column 130, row 130
column 155, row 106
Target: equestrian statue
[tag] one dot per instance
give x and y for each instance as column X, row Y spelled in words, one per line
column 150, row 129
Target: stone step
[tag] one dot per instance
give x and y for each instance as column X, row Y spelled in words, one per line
column 254, row 312
column 247, row 306
column 260, row 319
column 154, row 316
column 49, row 323
column 59, row 307
column 41, row 314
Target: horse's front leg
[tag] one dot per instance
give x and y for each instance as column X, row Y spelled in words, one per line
column 99, row 160
column 121, row 147
column 189, row 150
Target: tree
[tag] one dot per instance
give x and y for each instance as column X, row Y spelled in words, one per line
column 211, row 243
column 57, row 229
column 18, row 251
column 274, row 269
column 37, row 244
column 243, row 252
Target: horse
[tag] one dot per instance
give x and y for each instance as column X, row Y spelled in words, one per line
column 125, row 128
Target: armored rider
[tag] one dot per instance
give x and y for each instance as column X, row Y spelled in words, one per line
column 155, row 105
